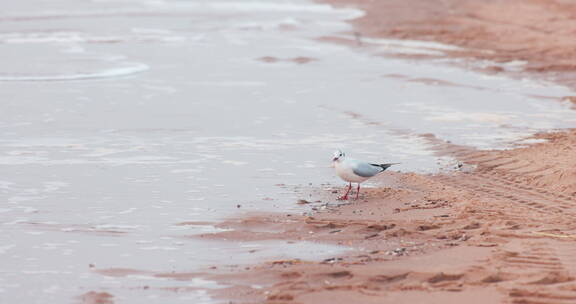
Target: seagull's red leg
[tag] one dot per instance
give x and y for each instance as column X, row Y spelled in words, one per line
column 357, row 190
column 345, row 196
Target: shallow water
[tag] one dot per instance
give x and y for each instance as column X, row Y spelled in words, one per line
column 122, row 119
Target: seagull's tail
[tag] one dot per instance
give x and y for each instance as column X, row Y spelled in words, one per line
column 385, row 166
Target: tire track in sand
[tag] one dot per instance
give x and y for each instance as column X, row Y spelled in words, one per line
column 549, row 267
column 544, row 267
column 482, row 187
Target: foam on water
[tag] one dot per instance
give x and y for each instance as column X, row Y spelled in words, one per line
column 139, row 36
column 251, row 6
column 127, row 69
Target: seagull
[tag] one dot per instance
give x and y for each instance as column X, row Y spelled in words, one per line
column 355, row 171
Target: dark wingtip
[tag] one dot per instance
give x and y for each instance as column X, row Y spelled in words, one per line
column 385, row 166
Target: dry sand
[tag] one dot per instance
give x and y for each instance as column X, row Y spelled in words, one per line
column 498, row 229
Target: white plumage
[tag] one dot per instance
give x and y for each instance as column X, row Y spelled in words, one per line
column 354, row 171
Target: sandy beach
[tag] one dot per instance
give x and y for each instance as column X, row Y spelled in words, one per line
column 178, row 151
column 535, row 34
column 499, row 233
column 497, row 228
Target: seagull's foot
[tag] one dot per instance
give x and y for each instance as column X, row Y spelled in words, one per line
column 345, row 196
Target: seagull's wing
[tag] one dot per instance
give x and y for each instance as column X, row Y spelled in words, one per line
column 365, row 169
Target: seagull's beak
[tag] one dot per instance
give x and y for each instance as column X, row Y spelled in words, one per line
column 335, row 159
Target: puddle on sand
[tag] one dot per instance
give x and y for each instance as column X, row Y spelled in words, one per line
column 234, row 103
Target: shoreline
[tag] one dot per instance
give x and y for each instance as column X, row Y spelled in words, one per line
column 484, row 233
column 534, row 35
column 205, row 178
column 495, row 230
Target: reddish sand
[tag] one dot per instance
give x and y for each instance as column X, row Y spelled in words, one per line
column 498, row 229
column 93, row 297
column 539, row 32
column 488, row 236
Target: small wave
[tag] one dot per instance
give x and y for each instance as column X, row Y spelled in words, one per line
column 138, row 35
column 228, row 83
column 110, row 73
column 263, row 6
column 251, row 6
column 171, row 9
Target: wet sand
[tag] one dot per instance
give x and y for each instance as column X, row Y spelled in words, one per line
column 532, row 35
column 497, row 228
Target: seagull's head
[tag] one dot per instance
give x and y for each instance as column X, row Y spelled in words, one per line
column 338, row 156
